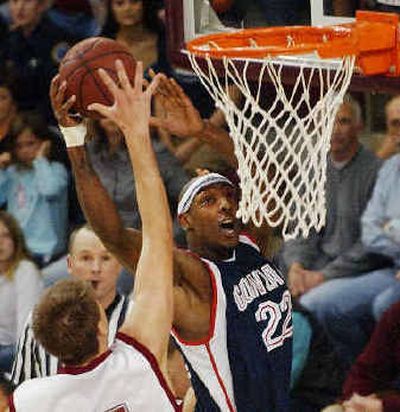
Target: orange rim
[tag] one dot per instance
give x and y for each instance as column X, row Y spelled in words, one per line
column 259, row 43
column 373, row 38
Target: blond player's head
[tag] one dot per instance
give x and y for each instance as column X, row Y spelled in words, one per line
column 69, row 322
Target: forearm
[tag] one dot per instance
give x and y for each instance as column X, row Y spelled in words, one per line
column 100, row 210
column 151, row 194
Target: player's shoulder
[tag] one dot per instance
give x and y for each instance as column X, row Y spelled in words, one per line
column 248, row 240
column 33, row 391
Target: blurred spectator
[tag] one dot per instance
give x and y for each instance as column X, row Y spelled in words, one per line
column 20, row 287
column 8, row 110
column 319, row 265
column 381, row 230
column 35, row 190
column 372, row 384
column 348, row 312
column 32, row 51
column 136, row 24
column 391, row 142
column 80, row 18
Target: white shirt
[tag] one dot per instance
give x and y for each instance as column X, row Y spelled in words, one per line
column 18, row 295
column 126, row 378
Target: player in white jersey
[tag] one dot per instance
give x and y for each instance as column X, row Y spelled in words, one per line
column 71, row 324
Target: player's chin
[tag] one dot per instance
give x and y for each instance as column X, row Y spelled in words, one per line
column 229, row 239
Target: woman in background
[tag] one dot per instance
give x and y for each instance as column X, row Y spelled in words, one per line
column 136, row 24
column 20, row 287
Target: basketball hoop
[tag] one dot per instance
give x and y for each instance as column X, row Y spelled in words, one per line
column 282, row 147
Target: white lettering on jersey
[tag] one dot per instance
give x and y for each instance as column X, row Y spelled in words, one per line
column 272, row 312
column 255, row 284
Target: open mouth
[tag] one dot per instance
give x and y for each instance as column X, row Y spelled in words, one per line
column 94, row 283
column 228, row 226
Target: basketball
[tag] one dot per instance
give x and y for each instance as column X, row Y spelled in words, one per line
column 221, row 6
column 79, row 68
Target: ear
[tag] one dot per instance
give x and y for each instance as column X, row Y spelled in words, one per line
column 69, row 264
column 184, row 221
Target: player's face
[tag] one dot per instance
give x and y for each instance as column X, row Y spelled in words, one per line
column 212, row 220
column 127, row 12
column 7, row 106
column 27, row 146
column 345, row 130
column 6, row 244
column 393, row 121
column 25, row 13
column 89, row 260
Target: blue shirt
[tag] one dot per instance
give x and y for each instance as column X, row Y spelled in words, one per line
column 37, row 198
column 380, row 221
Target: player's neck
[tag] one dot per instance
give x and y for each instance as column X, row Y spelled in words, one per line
column 208, row 252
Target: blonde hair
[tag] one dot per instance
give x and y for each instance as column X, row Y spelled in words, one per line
column 20, row 249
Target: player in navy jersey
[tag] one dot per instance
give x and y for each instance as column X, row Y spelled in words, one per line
column 72, row 325
column 232, row 310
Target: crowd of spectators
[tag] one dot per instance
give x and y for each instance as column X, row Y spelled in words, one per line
column 343, row 279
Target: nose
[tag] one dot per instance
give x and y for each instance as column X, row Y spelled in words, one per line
column 96, row 266
column 225, row 204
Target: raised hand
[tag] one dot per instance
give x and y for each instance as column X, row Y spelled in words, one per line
column 61, row 106
column 132, row 105
column 181, row 118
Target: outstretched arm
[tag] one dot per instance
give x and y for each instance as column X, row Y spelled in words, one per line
column 94, row 199
column 153, row 284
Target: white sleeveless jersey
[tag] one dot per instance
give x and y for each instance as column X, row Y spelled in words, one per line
column 126, row 378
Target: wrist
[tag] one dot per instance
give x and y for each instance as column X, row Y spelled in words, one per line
column 74, row 135
column 202, row 132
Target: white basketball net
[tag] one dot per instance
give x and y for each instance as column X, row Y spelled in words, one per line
column 281, row 149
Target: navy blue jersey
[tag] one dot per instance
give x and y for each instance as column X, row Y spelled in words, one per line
column 244, row 365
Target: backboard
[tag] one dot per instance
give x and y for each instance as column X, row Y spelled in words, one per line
column 187, row 19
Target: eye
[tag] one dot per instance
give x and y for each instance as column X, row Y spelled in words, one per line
column 85, row 258
column 207, row 200
column 106, row 258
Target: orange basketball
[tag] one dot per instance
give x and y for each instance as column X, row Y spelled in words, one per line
column 221, row 6
column 79, row 68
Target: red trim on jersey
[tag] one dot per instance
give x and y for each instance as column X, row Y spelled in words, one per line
column 220, row 381
column 212, row 314
column 11, row 405
column 252, row 240
column 77, row 370
column 129, row 340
